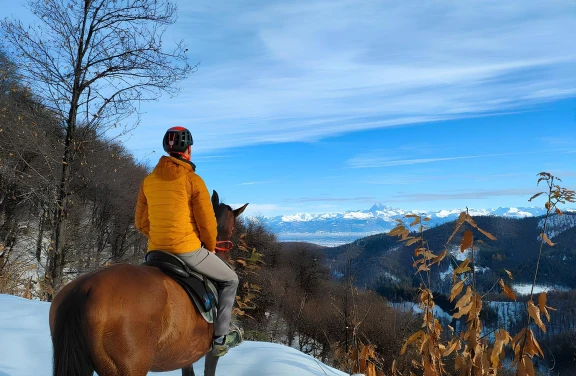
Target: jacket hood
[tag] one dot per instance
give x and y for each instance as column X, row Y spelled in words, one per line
column 171, row 168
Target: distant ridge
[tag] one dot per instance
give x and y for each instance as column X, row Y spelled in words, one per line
column 331, row 229
column 383, row 260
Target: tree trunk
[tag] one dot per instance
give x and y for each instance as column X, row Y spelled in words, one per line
column 58, row 251
column 40, row 237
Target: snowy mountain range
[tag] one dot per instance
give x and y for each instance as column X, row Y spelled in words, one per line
column 331, row 229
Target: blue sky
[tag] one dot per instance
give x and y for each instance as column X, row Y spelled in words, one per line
column 323, row 106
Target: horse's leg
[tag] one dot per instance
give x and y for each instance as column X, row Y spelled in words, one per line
column 210, row 364
column 188, row 371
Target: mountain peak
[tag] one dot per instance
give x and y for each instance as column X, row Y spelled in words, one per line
column 377, row 207
column 345, row 227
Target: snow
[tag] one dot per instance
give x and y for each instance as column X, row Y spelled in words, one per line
column 448, row 273
column 458, row 255
column 518, row 213
column 358, row 215
column 392, row 277
column 299, row 217
column 446, row 213
column 524, row 288
column 415, row 309
column 26, row 349
column 557, row 224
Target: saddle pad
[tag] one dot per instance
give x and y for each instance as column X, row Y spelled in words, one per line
column 200, row 289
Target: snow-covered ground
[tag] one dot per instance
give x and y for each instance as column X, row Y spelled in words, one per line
column 411, row 307
column 524, row 288
column 26, row 349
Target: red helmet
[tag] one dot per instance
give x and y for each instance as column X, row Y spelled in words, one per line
column 177, row 140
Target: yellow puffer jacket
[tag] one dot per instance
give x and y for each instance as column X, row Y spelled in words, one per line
column 174, row 209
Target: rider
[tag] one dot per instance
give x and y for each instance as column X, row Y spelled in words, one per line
column 175, row 213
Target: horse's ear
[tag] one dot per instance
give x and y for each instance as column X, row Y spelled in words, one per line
column 240, row 210
column 215, row 199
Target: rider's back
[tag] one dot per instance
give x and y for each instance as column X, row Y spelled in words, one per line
column 175, row 208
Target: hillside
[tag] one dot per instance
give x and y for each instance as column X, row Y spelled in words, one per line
column 379, row 259
column 27, row 349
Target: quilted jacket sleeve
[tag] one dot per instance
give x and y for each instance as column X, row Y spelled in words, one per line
column 141, row 216
column 204, row 213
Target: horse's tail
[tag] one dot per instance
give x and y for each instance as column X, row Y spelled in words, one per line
column 71, row 355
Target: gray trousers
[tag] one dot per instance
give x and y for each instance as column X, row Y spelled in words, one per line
column 210, row 265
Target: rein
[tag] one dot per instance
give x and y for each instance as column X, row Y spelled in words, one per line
column 225, row 245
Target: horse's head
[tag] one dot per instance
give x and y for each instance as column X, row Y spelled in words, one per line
column 226, row 218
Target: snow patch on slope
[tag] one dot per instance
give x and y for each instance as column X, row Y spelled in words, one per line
column 26, row 349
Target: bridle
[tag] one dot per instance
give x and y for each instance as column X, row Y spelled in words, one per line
column 225, row 245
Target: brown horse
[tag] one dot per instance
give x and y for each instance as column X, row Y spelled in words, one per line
column 126, row 320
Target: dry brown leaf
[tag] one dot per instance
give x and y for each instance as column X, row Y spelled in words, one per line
column 467, row 241
column 405, row 234
column 241, row 262
column 536, row 195
column 519, row 336
column 502, row 339
column 509, row 274
column 428, row 255
column 470, row 221
column 463, row 267
column 463, row 311
column 423, row 267
column 398, row 230
column 529, row 366
column 419, row 261
column 534, row 344
column 542, row 305
column 548, row 241
column 412, row 241
column 508, row 291
column 461, row 218
column 559, row 212
column 534, row 312
column 439, row 258
column 458, row 362
column 371, row 370
column 465, row 299
column 451, row 347
column 415, row 222
column 414, row 337
column 486, row 233
column 485, row 363
column 457, row 289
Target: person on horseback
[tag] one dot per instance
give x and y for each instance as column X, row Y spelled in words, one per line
column 175, row 213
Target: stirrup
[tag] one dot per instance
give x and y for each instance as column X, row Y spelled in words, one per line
column 232, row 339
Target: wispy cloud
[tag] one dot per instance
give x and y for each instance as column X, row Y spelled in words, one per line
column 254, row 210
column 304, row 70
column 209, row 158
column 559, row 141
column 371, row 162
column 331, row 199
column 256, row 182
column 460, row 195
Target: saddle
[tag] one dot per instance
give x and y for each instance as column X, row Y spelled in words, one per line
column 200, row 289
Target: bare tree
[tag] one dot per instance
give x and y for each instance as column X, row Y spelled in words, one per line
column 93, row 62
